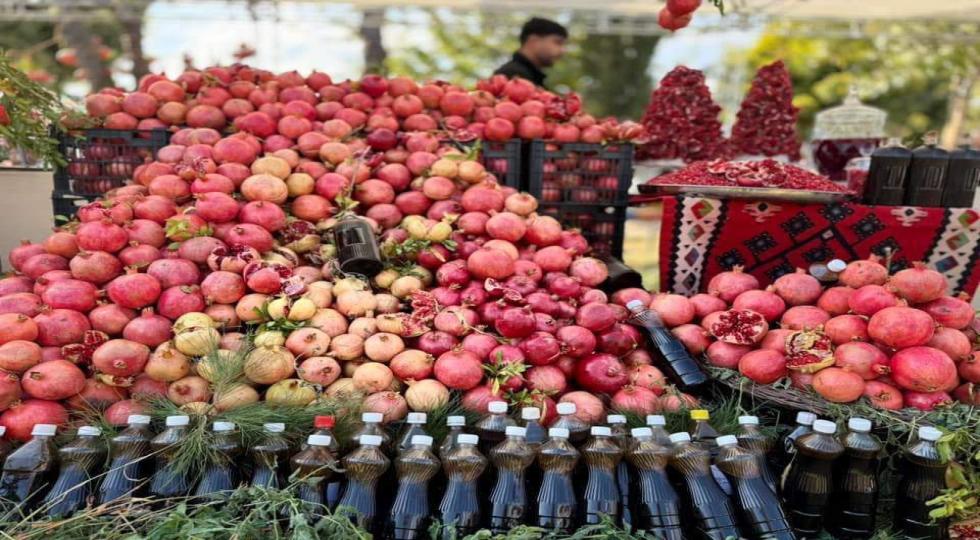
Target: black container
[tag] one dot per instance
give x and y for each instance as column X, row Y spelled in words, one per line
column 505, row 161
column 102, row 159
column 620, row 276
column 887, row 175
column 580, row 173
column 927, row 174
column 962, row 177
column 602, row 226
column 855, row 501
column 922, row 478
column 357, row 247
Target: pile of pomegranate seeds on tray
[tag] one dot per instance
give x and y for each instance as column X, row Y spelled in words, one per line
column 764, row 173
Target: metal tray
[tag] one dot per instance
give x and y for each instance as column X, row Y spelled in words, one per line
column 737, row 192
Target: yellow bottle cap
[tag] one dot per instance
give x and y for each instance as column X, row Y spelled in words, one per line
column 699, row 414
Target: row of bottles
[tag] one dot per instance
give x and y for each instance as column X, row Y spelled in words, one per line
column 926, row 176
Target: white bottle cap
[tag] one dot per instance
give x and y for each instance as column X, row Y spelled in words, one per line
column 370, row 440
column 566, row 408
column 635, row 305
column 223, row 426
column 859, row 424
column 275, row 427
column 805, row 418
column 615, row 419
column 680, row 436
column 530, row 413
column 600, row 431
column 656, row 420
column 371, row 417
column 559, row 432
column 497, row 407
column 44, row 430
column 638, row 432
column 89, row 431
column 467, row 438
column 179, row 420
column 515, row 431
column 140, row 419
column 836, row 266
column 3, row 430
column 824, row 426
column 423, row 440
column 929, row 433
column 455, row 421
column 416, row 418
column 726, row 440
column 318, row 440
column 748, row 420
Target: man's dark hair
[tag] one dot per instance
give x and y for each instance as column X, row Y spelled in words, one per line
column 537, row 26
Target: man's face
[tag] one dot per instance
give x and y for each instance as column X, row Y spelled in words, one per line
column 546, row 49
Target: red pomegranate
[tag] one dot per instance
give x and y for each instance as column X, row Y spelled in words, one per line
column 838, row 385
column 601, row 373
column 763, row 366
column 901, row 327
column 923, row 369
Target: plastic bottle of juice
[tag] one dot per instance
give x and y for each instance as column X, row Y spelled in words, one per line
column 601, row 494
column 456, row 425
column 855, row 500
column 491, row 427
column 753, row 440
column 658, row 508
column 5, row 445
column 578, row 430
column 923, row 477
column 536, row 434
column 414, row 425
column 509, row 501
column 364, row 466
column 311, row 468
column 804, row 425
column 712, row 513
column 167, row 481
column 222, row 475
column 758, row 506
column 702, row 433
column 556, row 498
column 28, row 471
column 673, row 358
column 460, row 507
column 271, row 457
column 657, row 424
column 80, row 461
column 416, row 466
column 809, row 480
column 624, row 480
column 324, row 425
column 129, row 465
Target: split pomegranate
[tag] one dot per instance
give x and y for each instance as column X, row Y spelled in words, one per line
column 739, row 327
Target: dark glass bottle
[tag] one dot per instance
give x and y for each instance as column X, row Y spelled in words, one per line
column 658, row 508
column 311, row 468
column 962, row 177
column 804, row 425
column 758, row 506
column 578, row 430
column 81, row 460
column 809, row 481
column 456, row 425
column 416, row 466
column 129, row 465
column 601, row 494
column 29, row 470
column 682, row 370
column 557, row 505
column 166, row 480
column 364, row 466
column 711, row 511
column 460, row 507
column 221, row 475
column 271, row 458
column 624, row 480
column 414, row 425
column 509, row 500
column 658, row 430
column 888, row 174
column 535, row 434
column 927, row 173
column 855, row 500
column 756, row 442
column 923, row 472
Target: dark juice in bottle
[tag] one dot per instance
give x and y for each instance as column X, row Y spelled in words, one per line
column 371, row 425
column 271, row 458
column 855, row 501
column 756, row 442
column 456, row 425
column 167, row 481
column 81, row 460
column 491, row 427
column 311, row 468
column 676, row 363
column 703, row 434
column 535, row 434
column 578, row 430
column 414, row 425
column 29, row 470
column 657, row 424
column 460, row 507
column 323, row 425
column 658, row 508
column 364, row 466
column 712, row 514
column 809, row 481
column 556, row 497
column 804, row 425
column 758, row 506
column 416, row 466
column 624, row 480
column 509, row 500
column 129, row 466
column 923, row 472
column 601, row 494
column 221, row 473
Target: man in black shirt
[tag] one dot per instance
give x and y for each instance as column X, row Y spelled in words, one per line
column 542, row 44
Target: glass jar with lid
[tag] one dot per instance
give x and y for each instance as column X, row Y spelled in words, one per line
column 845, row 132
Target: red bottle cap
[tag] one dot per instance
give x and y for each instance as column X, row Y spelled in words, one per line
column 323, row 422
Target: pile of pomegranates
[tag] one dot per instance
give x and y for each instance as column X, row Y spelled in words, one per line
column 228, row 232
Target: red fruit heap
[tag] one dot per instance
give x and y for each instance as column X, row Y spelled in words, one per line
column 766, row 122
column 681, row 120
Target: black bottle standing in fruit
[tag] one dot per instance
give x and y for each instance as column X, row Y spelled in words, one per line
column 676, row 363
column 271, row 458
column 809, row 481
column 658, row 429
column 712, row 516
column 923, row 472
column 557, row 504
column 81, row 461
column 409, row 518
column 855, row 500
column 323, row 425
column 658, row 508
column 311, row 469
column 364, row 467
column 600, row 497
column 578, row 430
column 624, row 480
column 804, row 425
column 167, row 480
column 509, row 505
column 760, row 445
column 414, row 425
column 459, row 510
column 760, row 513
column 221, row 474
column 29, row 470
column 129, row 465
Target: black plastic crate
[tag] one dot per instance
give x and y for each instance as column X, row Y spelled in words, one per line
column 65, row 205
column 602, row 226
column 580, row 173
column 503, row 159
column 102, row 159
